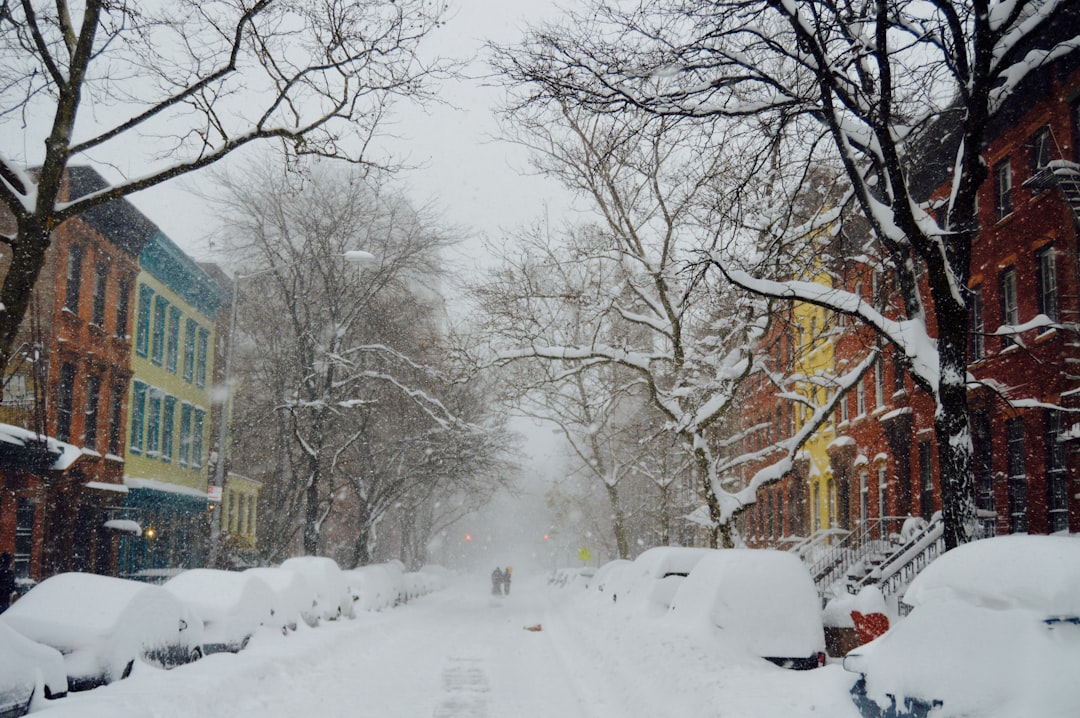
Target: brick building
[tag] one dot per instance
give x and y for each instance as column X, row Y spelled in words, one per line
column 65, row 404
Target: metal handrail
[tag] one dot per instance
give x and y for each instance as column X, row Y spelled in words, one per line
column 907, row 561
column 857, row 546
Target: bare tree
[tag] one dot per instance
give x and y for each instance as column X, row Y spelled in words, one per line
column 342, row 399
column 181, row 85
column 887, row 89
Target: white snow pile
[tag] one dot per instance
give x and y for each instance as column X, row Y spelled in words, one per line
column 100, row 624
column 761, row 601
column 232, row 605
column 1015, row 571
column 651, row 580
column 332, row 597
column 995, row 632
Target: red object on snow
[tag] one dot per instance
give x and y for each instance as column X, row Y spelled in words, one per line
column 870, row 625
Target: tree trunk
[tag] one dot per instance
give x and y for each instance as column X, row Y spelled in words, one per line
column 952, row 429
column 618, row 522
column 27, row 259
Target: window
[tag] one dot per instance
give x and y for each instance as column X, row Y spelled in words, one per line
column 167, row 417
column 860, row 398
column 977, row 348
column 926, row 479
column 190, row 329
column 864, row 495
column 142, row 325
column 185, row 434
column 157, row 348
column 138, row 415
column 197, row 438
column 844, row 408
column 200, row 357
column 24, row 537
column 1040, row 149
column 153, row 423
column 879, row 384
column 65, row 397
column 101, row 280
column 172, row 344
column 883, row 486
column 1003, row 188
column 898, row 373
column 1057, row 495
column 74, row 278
column 1010, row 312
column 1047, row 277
column 93, row 396
column 116, row 408
column 1014, row 437
column 123, row 299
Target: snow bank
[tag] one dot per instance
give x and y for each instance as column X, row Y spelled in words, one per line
column 231, row 605
column 763, row 601
column 1007, row 571
column 333, row 600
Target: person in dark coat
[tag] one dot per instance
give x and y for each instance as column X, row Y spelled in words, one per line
column 506, row 580
column 496, row 581
column 7, row 581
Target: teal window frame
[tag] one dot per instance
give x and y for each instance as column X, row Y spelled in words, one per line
column 200, row 357
column 138, row 417
column 190, row 330
column 197, row 438
column 157, row 341
column 142, row 322
column 172, row 343
column 185, row 434
column 167, row 422
column 153, row 423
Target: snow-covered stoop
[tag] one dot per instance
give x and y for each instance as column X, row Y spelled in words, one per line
column 920, row 543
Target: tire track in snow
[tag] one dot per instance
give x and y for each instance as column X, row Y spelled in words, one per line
column 466, row 687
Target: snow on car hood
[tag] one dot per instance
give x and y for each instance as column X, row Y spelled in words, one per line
column 1007, row 571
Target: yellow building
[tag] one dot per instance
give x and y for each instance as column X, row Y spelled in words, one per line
column 816, row 357
column 168, row 443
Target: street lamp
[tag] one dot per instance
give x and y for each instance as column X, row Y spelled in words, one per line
column 361, row 259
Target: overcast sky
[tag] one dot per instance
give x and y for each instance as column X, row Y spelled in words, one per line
column 477, row 183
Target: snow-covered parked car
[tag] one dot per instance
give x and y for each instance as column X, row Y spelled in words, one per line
column 994, row 632
column 232, row 605
column 102, row 625
column 650, row 581
column 375, row 587
column 758, row 601
column 27, row 668
column 606, row 577
column 333, row 600
column 295, row 600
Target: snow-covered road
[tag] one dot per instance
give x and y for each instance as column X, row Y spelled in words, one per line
column 464, row 653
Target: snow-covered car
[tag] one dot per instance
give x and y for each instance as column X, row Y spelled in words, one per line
column 232, row 605
column 758, row 601
column 295, row 600
column 606, row 576
column 650, row 582
column 102, row 625
column 995, row 631
column 27, row 668
column 332, row 597
column 374, row 587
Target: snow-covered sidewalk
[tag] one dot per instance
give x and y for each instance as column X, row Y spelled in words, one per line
column 462, row 652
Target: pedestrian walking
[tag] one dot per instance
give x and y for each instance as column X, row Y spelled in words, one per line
column 496, row 581
column 506, row 580
column 7, row 581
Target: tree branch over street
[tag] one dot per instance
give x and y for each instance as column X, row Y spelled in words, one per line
column 898, row 95
column 180, row 86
